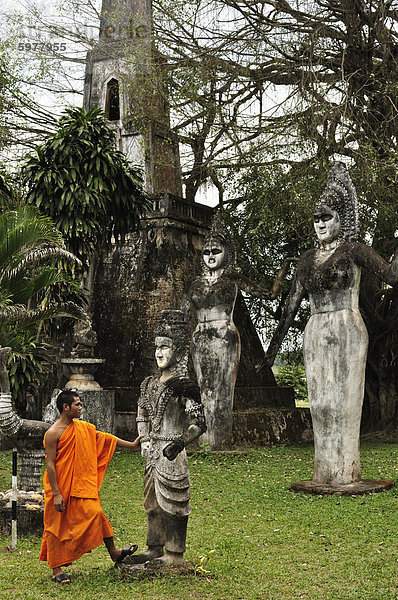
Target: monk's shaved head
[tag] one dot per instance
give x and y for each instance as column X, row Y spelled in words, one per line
column 66, row 397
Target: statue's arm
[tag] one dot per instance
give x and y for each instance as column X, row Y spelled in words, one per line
column 143, row 427
column 370, row 260
column 195, row 420
column 250, row 287
column 196, row 425
column 296, row 295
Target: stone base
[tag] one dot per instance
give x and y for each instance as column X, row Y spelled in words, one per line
column 151, row 569
column 246, row 398
column 28, row 521
column 365, row 486
column 271, row 426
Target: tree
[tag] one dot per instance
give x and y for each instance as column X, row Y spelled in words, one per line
column 78, row 178
column 33, row 265
column 283, row 83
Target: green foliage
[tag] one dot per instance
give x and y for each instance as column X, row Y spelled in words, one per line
column 78, row 178
column 28, row 364
column 293, row 376
column 33, row 268
column 7, row 193
column 200, row 568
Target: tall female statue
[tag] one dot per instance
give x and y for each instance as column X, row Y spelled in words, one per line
column 335, row 338
column 216, row 341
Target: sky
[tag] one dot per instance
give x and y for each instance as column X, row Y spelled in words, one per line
column 28, row 44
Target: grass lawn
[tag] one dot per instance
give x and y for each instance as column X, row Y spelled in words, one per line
column 268, row 543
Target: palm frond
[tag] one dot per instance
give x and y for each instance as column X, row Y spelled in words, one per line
column 38, row 256
column 29, row 319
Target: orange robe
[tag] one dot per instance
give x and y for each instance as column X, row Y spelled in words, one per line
column 83, row 454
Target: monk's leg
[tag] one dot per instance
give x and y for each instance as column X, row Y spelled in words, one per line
column 110, row 546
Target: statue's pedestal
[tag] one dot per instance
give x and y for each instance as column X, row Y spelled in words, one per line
column 98, row 404
column 151, row 569
column 365, row 486
column 82, row 373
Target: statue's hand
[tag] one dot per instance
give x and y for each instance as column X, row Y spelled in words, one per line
column 172, row 450
column 144, row 449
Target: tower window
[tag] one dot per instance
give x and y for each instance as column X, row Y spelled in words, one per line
column 112, row 103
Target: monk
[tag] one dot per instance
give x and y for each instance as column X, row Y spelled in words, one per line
column 77, row 457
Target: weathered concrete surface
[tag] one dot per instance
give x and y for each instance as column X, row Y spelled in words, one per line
column 145, row 276
column 99, row 408
column 30, row 462
column 125, row 55
column 29, row 513
column 250, row 397
column 335, row 338
column 170, row 416
column 148, row 274
column 364, row 486
column 271, row 426
column 81, row 373
column 141, row 278
column 251, row 427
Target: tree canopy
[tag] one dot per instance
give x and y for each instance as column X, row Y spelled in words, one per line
column 79, row 178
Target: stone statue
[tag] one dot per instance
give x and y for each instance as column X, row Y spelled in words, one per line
column 335, row 338
column 216, row 342
column 26, row 435
column 51, row 412
column 170, row 416
column 84, row 337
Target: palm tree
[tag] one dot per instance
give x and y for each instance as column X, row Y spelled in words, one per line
column 34, row 264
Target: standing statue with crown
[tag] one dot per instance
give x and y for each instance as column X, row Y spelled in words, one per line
column 216, row 341
column 170, row 416
column 335, row 338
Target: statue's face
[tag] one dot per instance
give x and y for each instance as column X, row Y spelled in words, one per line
column 213, row 254
column 326, row 224
column 164, row 352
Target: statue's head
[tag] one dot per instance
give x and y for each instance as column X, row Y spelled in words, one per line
column 172, row 341
column 219, row 250
column 335, row 213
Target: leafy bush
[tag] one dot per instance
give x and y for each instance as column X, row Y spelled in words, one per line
column 293, row 376
column 79, row 179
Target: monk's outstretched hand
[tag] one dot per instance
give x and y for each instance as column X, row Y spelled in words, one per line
column 59, row 503
column 129, row 445
column 136, row 442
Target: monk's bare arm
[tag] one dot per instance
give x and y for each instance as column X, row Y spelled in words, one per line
column 129, row 445
column 52, row 437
